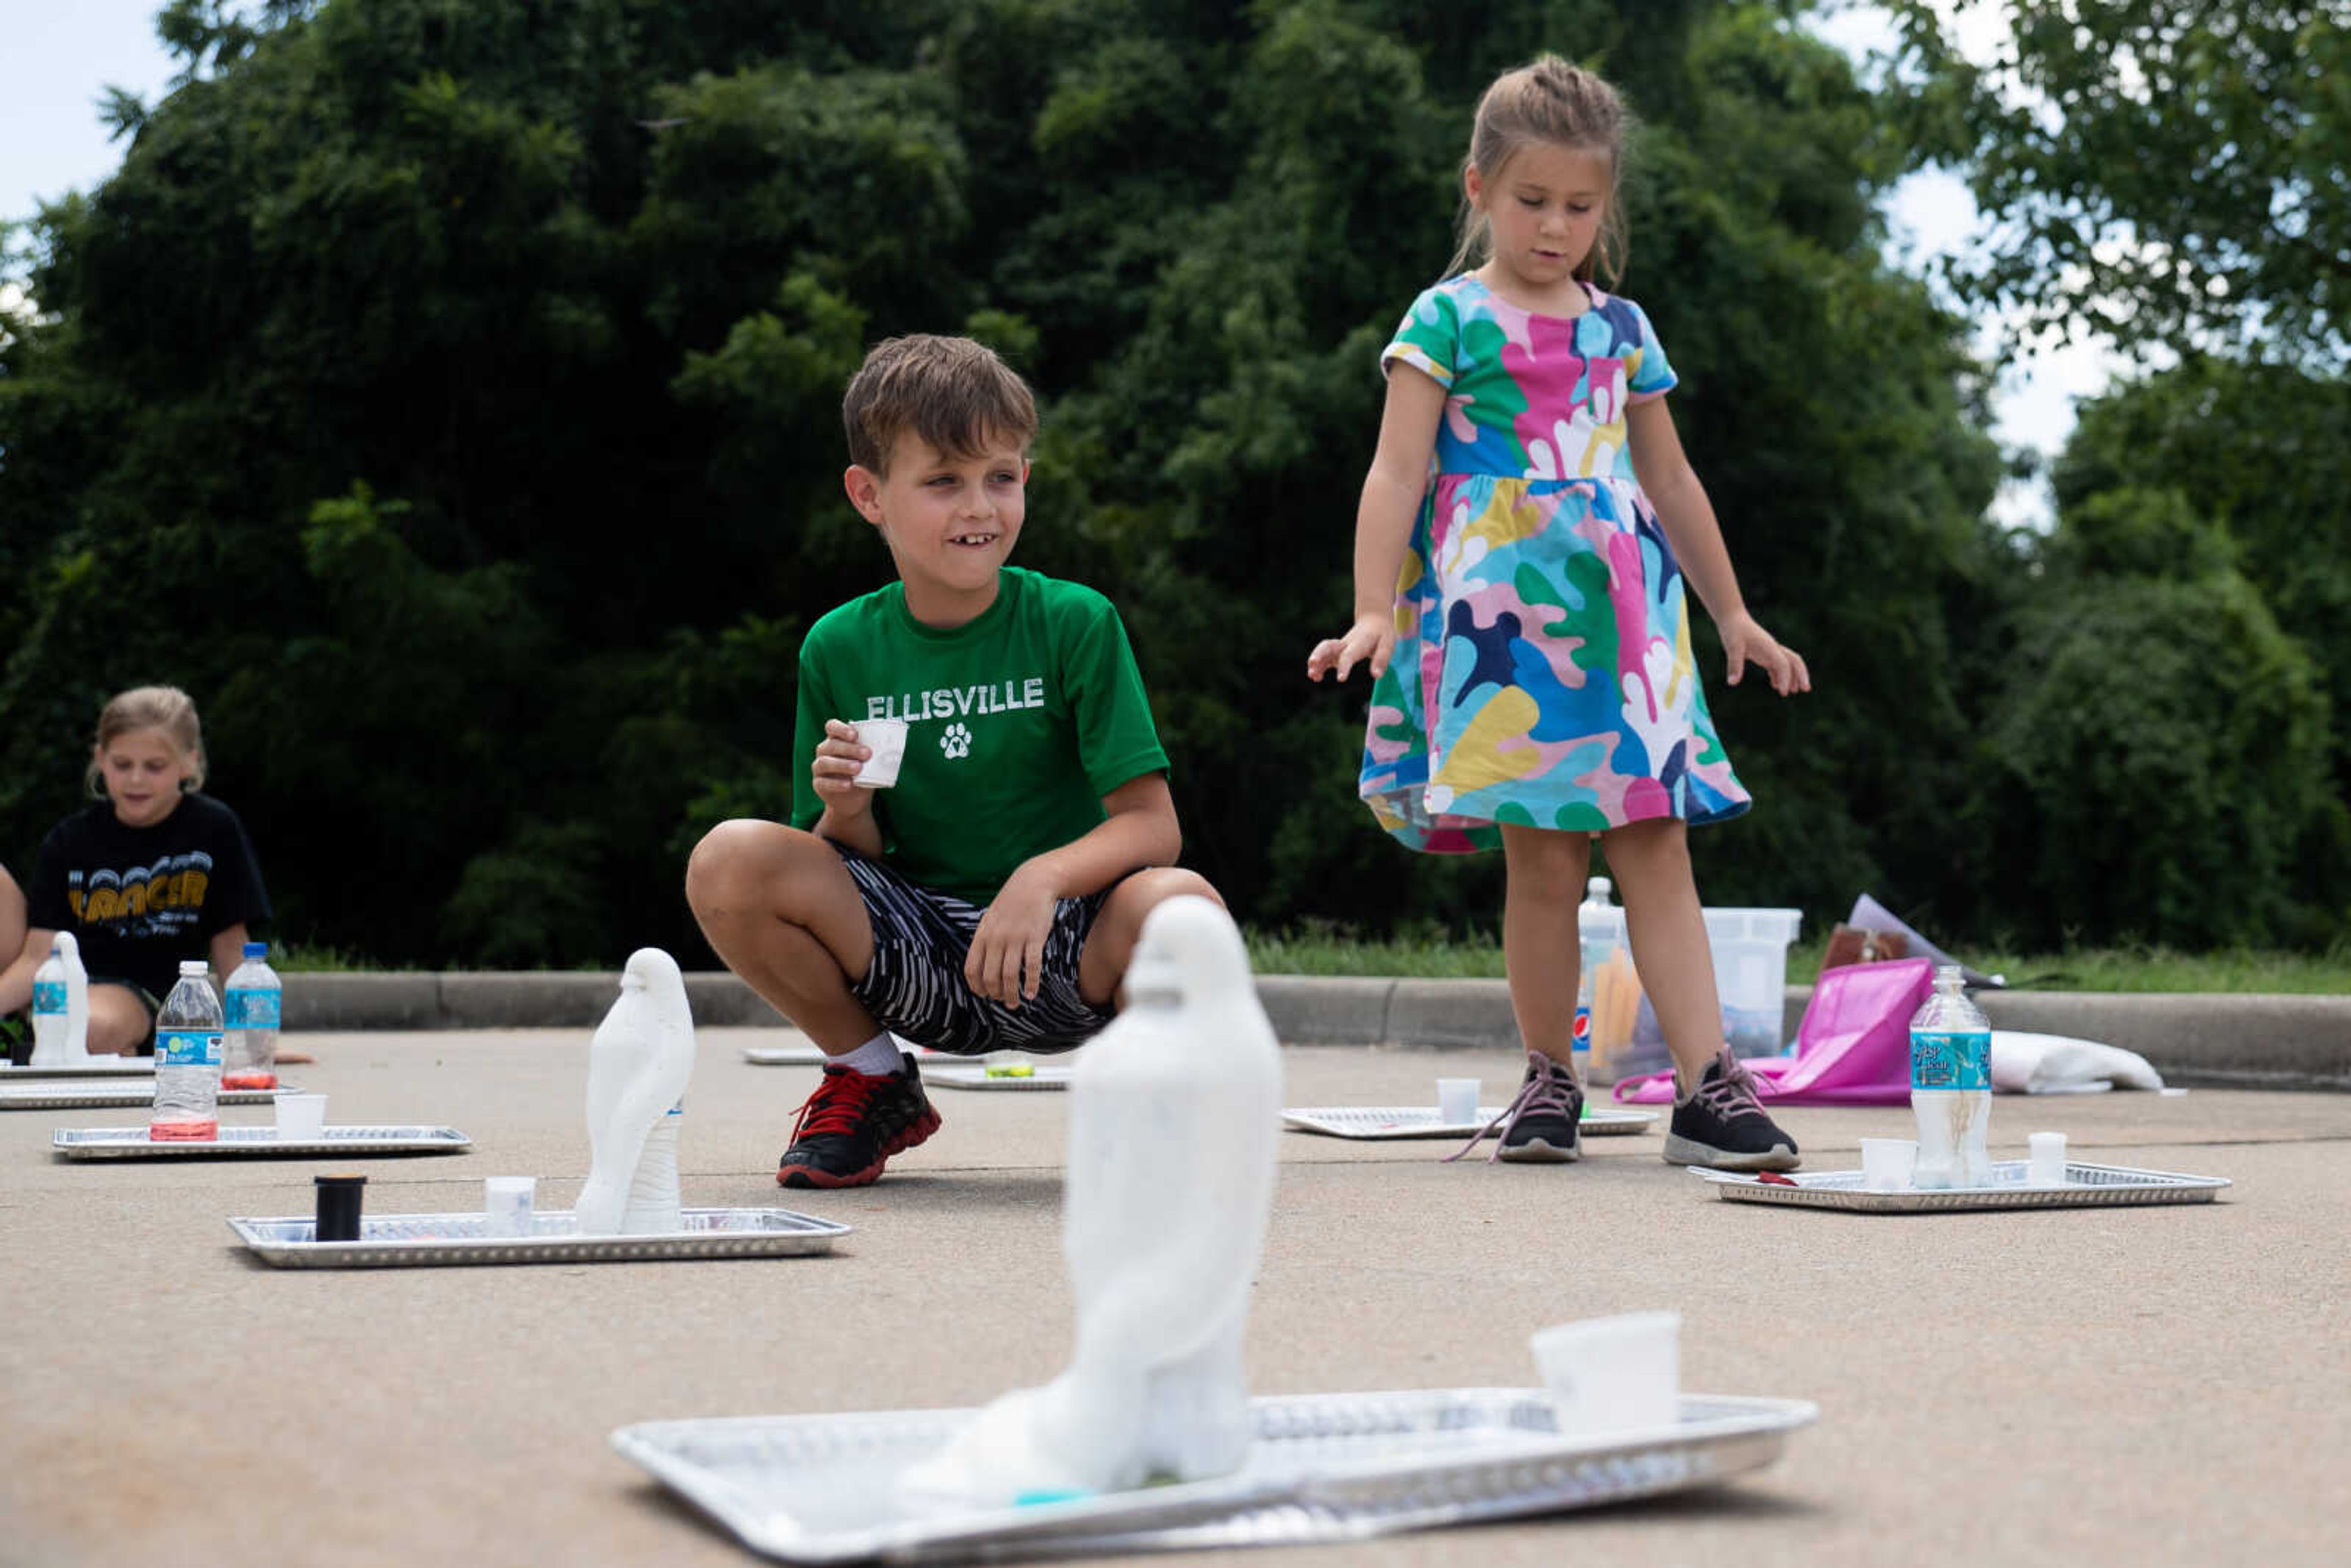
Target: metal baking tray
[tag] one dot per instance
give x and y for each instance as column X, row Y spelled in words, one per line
column 356, row 1142
column 93, row 1067
column 1325, row 1468
column 68, row 1094
column 1422, row 1121
column 419, row 1240
column 2086, row 1186
column 811, row 1056
column 971, row 1075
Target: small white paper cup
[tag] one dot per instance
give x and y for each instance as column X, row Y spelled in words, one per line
column 506, row 1203
column 1456, row 1101
column 301, row 1118
column 1887, row 1165
column 2047, row 1165
column 886, row 739
column 1619, row 1373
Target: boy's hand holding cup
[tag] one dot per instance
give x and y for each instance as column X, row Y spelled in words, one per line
column 852, row 760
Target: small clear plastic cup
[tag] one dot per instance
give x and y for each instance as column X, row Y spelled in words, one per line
column 2046, row 1167
column 301, row 1118
column 1456, row 1101
column 1889, row 1164
column 1619, row 1373
column 886, row 739
column 506, row 1203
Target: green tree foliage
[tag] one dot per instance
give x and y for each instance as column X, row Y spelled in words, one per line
column 2265, row 451
column 2222, row 470
column 446, row 391
column 2162, row 170
column 2160, row 755
column 2169, row 174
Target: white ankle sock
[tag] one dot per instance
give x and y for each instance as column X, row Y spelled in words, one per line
column 877, row 1058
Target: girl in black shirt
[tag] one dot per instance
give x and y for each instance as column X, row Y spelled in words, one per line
column 152, row 872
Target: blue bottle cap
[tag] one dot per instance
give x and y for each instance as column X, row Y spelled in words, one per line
column 256, row 949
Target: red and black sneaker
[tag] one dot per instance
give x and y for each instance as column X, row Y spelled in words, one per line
column 851, row 1126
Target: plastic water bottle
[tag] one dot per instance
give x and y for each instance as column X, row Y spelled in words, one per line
column 61, row 1005
column 249, row 1057
column 653, row 1207
column 1950, row 1086
column 1597, row 924
column 188, row 1059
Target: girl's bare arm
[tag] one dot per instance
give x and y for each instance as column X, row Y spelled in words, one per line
column 1384, row 518
column 1687, row 516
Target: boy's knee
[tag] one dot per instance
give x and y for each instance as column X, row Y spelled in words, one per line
column 716, row 858
column 738, row 858
column 1165, row 882
column 1146, row 890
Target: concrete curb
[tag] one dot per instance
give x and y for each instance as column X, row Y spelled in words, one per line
column 2244, row 1041
column 415, row 1000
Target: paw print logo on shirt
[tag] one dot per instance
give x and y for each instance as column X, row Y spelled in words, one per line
column 955, row 742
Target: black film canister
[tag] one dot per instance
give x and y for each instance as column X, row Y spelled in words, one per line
column 339, row 1208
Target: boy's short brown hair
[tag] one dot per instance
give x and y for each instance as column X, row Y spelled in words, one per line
column 953, row 392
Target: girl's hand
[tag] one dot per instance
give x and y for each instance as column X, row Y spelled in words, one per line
column 1372, row 638
column 1008, row 950
column 1744, row 640
column 838, row 758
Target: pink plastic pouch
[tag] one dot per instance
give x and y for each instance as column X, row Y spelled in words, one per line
column 1852, row 1049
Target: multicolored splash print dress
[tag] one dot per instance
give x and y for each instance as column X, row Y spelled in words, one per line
column 1542, row 670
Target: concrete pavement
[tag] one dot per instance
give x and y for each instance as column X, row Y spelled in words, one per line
column 2151, row 1385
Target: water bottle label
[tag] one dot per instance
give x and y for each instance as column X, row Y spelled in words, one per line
column 1951, row 1060
column 188, row 1048
column 48, row 995
column 253, row 1009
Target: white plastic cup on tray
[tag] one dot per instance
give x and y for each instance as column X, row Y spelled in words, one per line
column 2047, row 1165
column 506, row 1204
column 1619, row 1373
column 1889, row 1164
column 886, row 739
column 301, row 1118
column 1456, row 1101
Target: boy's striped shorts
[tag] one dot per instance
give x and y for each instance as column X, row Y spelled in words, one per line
column 915, row 987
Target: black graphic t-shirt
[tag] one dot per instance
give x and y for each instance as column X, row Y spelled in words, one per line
column 139, row 900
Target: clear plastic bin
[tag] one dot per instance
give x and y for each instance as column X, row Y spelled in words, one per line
column 1751, row 976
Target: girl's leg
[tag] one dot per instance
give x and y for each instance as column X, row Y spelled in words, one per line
column 1717, row 1120
column 12, row 926
column 1667, row 927
column 1545, row 872
column 119, row 1021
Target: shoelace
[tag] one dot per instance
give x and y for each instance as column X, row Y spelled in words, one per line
column 837, row 1102
column 1731, row 1093
column 1550, row 1087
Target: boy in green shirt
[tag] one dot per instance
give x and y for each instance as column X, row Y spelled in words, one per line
column 990, row 898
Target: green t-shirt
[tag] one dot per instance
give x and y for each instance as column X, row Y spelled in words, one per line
column 1017, row 724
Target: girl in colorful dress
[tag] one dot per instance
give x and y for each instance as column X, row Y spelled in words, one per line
column 1521, row 549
